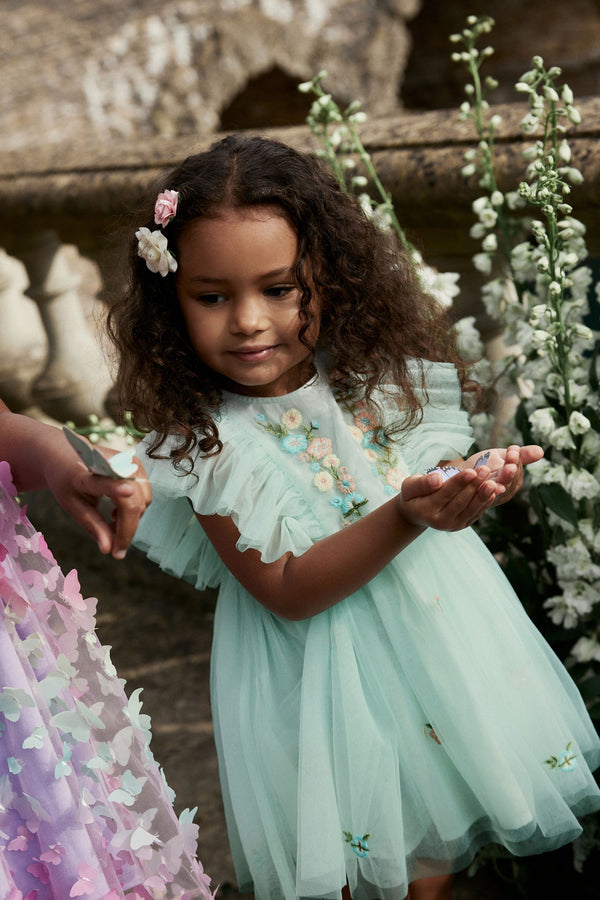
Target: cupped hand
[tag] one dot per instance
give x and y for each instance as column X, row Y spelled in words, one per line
column 429, row 501
column 506, row 466
column 79, row 492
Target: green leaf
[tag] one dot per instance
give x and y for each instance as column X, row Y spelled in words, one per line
column 556, row 499
column 593, row 415
column 522, row 423
column 594, row 383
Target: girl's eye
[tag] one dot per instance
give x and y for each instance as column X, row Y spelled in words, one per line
column 279, row 291
column 211, row 299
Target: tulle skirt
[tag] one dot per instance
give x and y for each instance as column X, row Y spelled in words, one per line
column 392, row 736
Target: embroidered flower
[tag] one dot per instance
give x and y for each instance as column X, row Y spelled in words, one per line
column 373, row 439
column 318, row 452
column 291, row 419
column 323, row 481
column 152, row 247
column 345, row 482
column 165, row 207
column 566, row 760
column 320, row 447
column 371, row 455
column 394, row 478
column 364, row 419
column 294, row 443
column 357, row 842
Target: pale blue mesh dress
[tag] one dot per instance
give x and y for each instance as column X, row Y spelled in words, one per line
column 391, row 736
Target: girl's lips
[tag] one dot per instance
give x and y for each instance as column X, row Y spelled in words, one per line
column 253, row 354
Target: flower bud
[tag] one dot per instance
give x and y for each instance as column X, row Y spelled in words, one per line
column 578, row 423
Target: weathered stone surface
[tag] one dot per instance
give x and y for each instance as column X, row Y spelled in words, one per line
column 170, row 67
column 419, row 157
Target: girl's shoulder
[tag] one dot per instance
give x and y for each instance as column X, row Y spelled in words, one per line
column 241, row 482
column 436, row 385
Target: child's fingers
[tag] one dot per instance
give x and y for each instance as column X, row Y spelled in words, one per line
column 531, row 453
column 421, row 485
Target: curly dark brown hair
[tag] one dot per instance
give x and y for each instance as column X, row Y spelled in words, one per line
column 374, row 314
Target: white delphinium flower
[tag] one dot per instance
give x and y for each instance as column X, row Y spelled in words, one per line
column 523, row 261
column 590, row 446
column 573, row 561
column 576, row 602
column 469, row 341
column 586, row 649
column 493, row 295
column 543, row 422
column 546, row 472
column 582, row 484
column 562, row 439
column 578, row 423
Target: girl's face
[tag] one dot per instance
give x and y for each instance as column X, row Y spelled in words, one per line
column 237, row 293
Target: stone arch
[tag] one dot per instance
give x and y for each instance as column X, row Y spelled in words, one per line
column 270, row 98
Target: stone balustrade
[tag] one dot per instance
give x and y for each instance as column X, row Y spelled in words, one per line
column 71, row 205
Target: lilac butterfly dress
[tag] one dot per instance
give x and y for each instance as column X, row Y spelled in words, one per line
column 84, row 808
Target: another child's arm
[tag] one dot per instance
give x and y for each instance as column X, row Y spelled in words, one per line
column 338, row 565
column 40, row 458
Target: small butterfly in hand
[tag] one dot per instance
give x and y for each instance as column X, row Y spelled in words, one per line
column 119, row 466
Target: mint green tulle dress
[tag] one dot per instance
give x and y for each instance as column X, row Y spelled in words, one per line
column 422, row 717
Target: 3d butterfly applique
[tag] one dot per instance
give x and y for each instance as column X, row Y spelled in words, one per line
column 12, row 701
column 79, row 722
column 85, row 883
column 35, row 741
column 120, row 465
column 63, row 766
column 129, row 789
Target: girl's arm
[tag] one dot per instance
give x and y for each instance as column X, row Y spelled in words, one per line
column 40, row 457
column 336, row 566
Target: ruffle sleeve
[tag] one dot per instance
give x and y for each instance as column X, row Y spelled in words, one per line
column 444, row 431
column 241, row 482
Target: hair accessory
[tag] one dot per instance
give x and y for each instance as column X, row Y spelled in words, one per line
column 165, row 207
column 153, row 245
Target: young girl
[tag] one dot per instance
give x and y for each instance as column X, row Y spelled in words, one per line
column 383, row 707
column 84, row 809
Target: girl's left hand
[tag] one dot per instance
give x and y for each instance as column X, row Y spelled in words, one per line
column 506, row 466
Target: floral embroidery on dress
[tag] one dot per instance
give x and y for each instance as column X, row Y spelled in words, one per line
column 300, row 439
column 566, row 761
column 358, row 843
column 376, row 446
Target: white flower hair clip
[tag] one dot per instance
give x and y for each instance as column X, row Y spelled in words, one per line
column 152, row 245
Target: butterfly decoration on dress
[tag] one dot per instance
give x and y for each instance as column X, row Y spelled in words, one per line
column 119, row 466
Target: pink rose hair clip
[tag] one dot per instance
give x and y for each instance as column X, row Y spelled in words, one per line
column 153, row 245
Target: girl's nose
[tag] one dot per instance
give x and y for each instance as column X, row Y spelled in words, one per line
column 248, row 315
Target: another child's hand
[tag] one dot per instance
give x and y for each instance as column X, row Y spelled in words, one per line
column 506, row 466
column 79, row 491
column 429, row 501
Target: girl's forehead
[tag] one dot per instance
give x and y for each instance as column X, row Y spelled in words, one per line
column 255, row 239
column 260, row 224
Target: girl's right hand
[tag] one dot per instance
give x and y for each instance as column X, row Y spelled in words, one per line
column 429, row 501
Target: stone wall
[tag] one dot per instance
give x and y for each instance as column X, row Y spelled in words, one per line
column 176, row 67
column 112, row 70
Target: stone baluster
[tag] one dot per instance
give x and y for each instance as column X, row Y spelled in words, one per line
column 75, row 380
column 23, row 342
